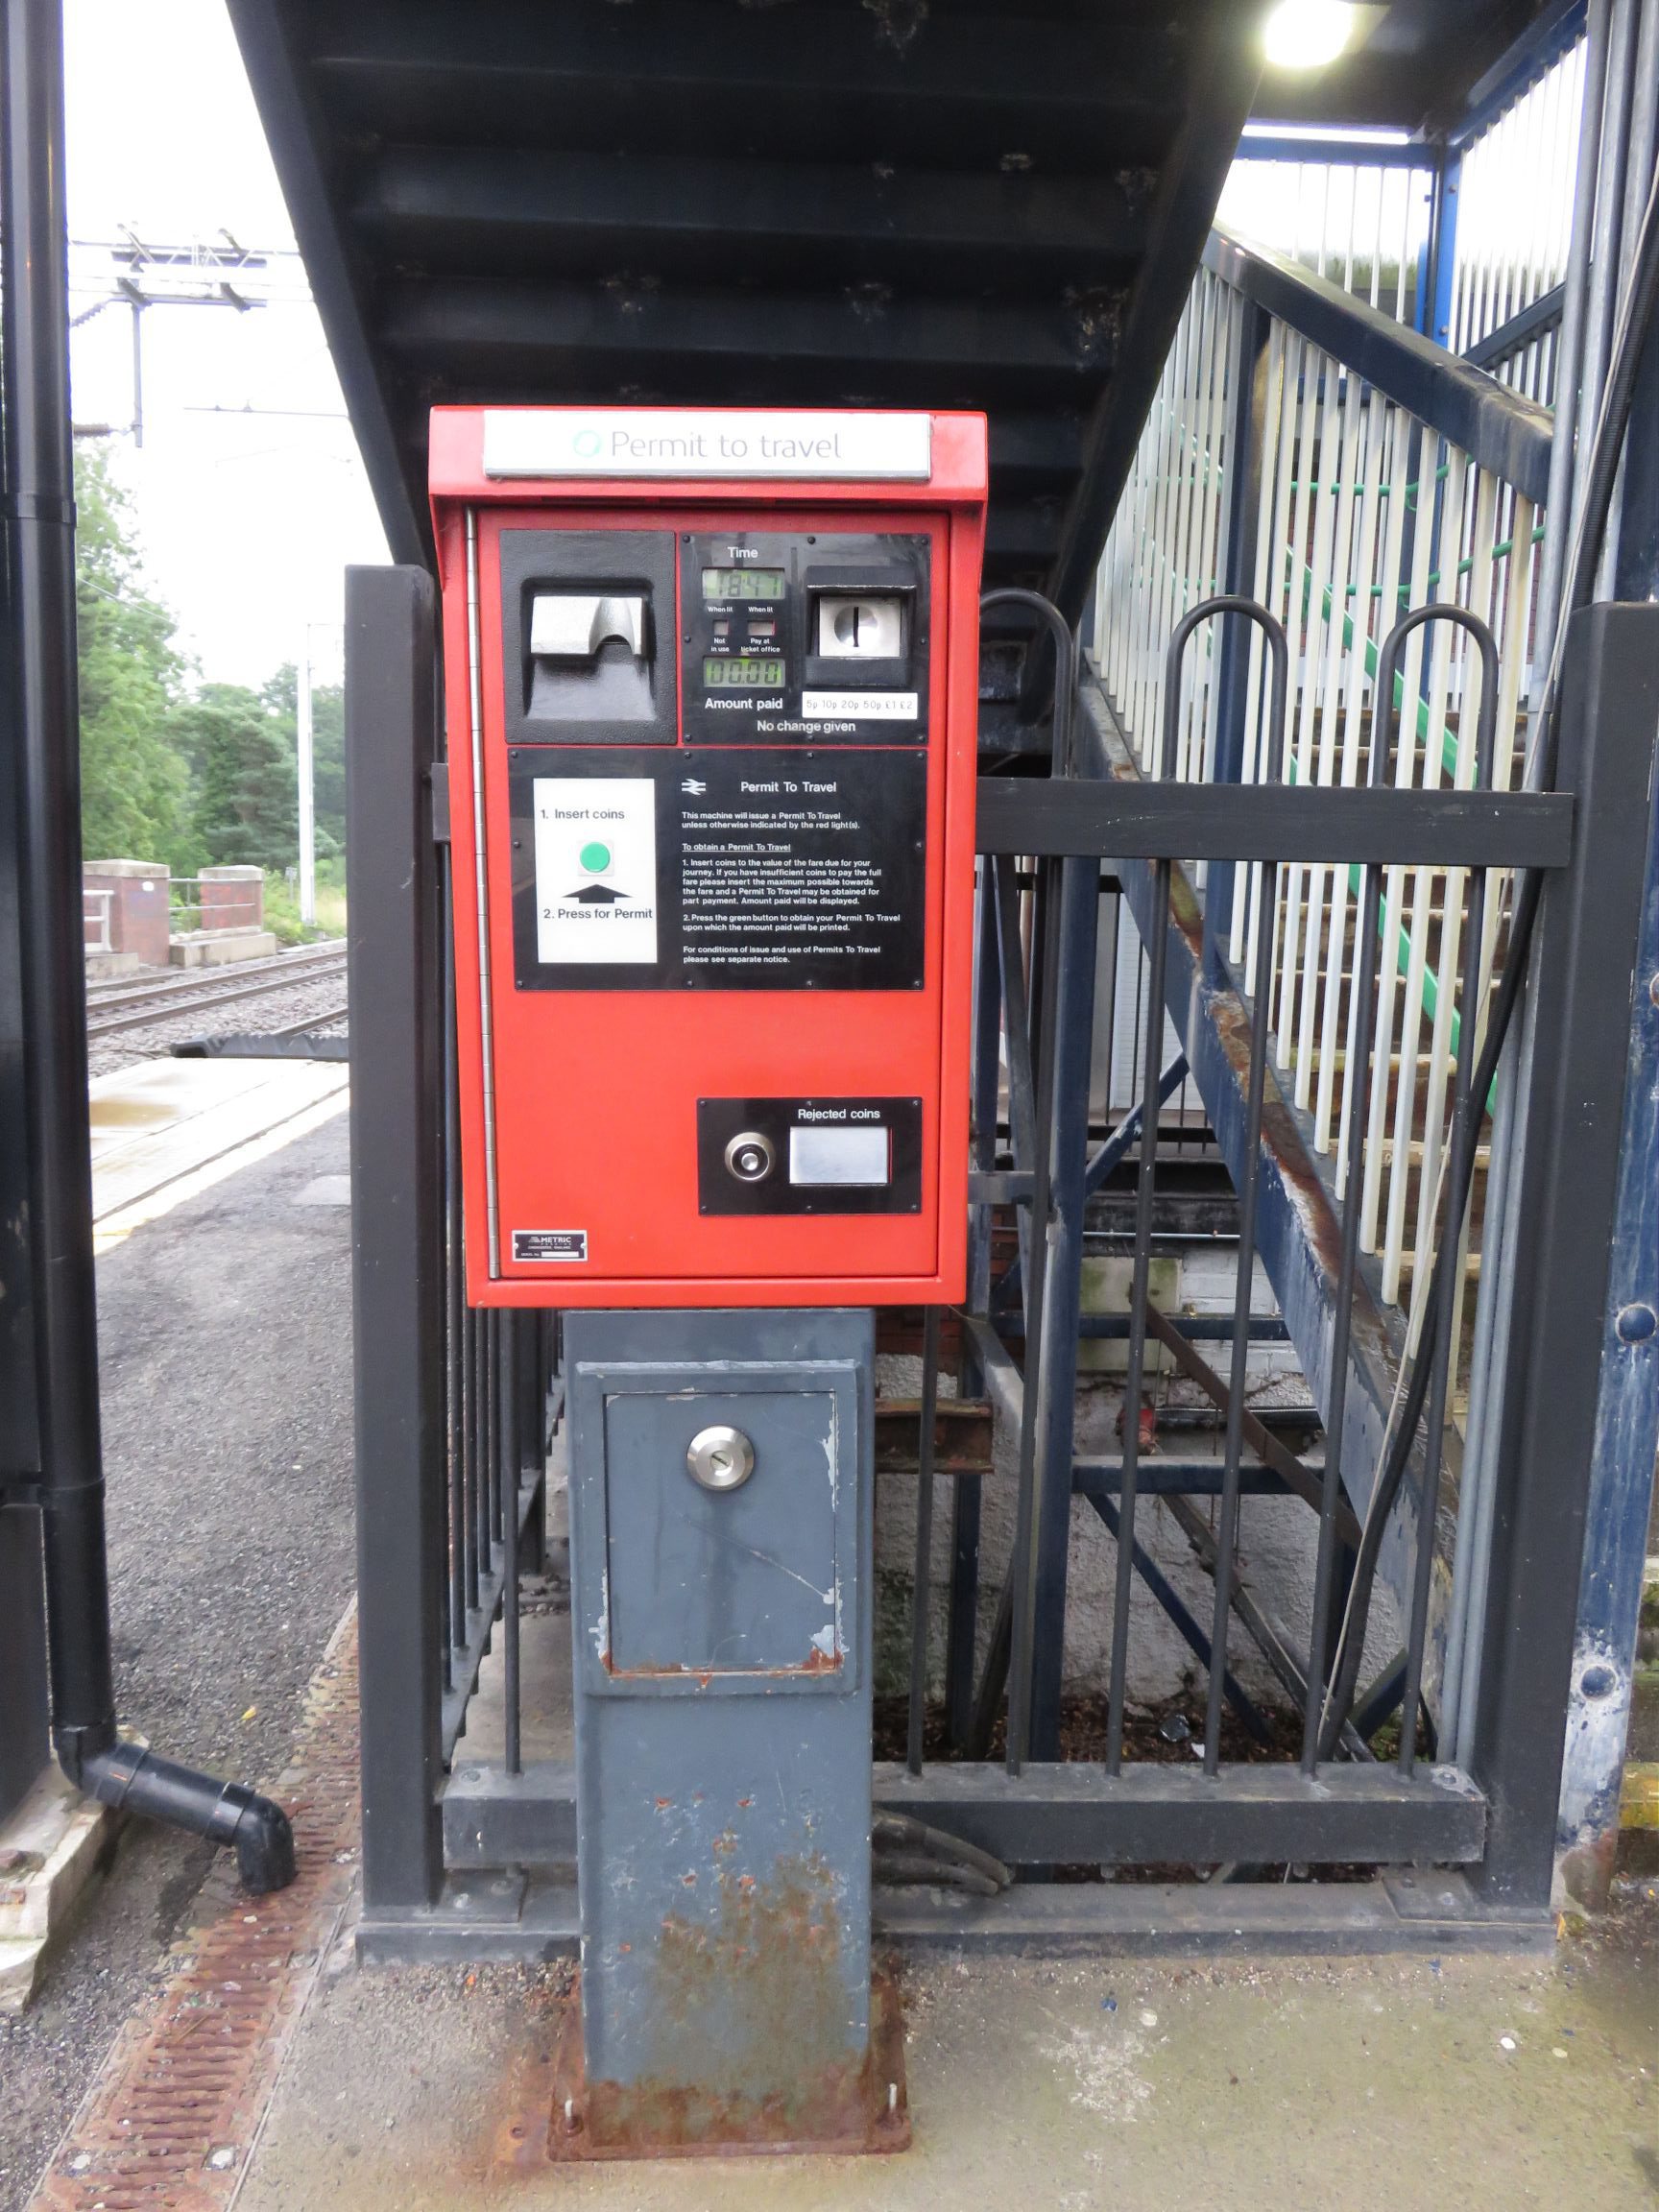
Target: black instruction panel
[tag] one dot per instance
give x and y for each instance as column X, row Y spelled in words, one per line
column 771, row 646
column 713, row 869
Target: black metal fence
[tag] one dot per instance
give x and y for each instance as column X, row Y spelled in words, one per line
column 455, row 1404
column 1376, row 1496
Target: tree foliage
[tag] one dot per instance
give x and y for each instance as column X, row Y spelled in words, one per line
column 185, row 777
column 136, row 801
column 244, row 777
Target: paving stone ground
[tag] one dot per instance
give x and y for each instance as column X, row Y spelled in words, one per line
column 227, row 1352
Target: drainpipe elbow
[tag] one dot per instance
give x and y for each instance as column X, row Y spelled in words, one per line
column 226, row 1813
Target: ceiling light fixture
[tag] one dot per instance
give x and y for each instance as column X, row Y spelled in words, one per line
column 1308, row 34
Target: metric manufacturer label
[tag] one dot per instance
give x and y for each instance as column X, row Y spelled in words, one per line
column 538, row 1245
column 595, row 869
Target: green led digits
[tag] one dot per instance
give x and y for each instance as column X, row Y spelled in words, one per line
column 749, row 673
column 743, row 584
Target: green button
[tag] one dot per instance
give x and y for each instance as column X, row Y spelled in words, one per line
column 595, row 858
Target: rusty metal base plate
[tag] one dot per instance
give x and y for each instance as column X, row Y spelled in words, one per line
column 564, row 2123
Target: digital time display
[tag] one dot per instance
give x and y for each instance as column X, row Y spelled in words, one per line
column 751, row 672
column 743, row 584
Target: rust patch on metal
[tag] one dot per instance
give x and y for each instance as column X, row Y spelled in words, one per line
column 850, row 2110
column 962, row 1433
column 1282, row 1142
column 1280, row 1139
column 172, row 2116
column 1185, row 910
column 816, row 1662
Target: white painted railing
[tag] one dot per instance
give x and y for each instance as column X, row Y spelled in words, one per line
column 1344, row 507
column 1514, row 221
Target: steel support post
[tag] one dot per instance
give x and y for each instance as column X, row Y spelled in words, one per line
column 1442, row 250
column 962, row 1616
column 24, row 1743
column 1583, row 966
column 1238, row 643
column 1243, row 494
column 1075, row 925
column 397, row 1223
column 1626, row 1437
column 40, row 560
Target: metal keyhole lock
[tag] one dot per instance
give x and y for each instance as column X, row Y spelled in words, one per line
column 720, row 1457
column 749, row 1156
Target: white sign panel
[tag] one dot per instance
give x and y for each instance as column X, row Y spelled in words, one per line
column 704, row 441
column 858, row 706
column 595, row 869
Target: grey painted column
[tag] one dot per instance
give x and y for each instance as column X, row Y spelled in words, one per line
column 720, row 1504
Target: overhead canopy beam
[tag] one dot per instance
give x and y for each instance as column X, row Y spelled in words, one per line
column 476, row 209
column 844, row 84
column 341, row 286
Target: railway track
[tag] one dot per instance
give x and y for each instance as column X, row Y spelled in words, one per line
column 112, row 1010
column 125, row 990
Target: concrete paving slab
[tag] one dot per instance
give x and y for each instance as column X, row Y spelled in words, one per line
column 1068, row 2085
column 157, row 1124
column 49, row 1848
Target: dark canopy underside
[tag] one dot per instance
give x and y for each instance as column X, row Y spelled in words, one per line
column 922, row 203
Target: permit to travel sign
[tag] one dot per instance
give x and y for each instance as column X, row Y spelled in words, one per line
column 689, row 442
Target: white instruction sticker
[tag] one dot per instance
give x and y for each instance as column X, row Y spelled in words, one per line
column 595, row 870
column 858, row 706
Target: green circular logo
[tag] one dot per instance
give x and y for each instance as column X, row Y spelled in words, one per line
column 587, row 444
column 595, row 858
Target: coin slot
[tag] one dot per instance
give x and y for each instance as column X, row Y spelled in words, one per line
column 860, row 626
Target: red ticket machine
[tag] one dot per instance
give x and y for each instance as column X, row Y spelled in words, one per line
column 711, row 680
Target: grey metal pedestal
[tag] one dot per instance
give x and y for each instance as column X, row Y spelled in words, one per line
column 720, row 1498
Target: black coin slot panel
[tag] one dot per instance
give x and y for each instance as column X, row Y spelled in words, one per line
column 874, row 578
column 734, row 641
column 799, row 1133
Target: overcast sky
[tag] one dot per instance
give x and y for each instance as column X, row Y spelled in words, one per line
column 246, row 522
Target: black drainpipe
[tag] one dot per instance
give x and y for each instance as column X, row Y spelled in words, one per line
column 39, row 513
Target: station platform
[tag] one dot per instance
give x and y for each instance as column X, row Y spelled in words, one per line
column 163, row 1130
